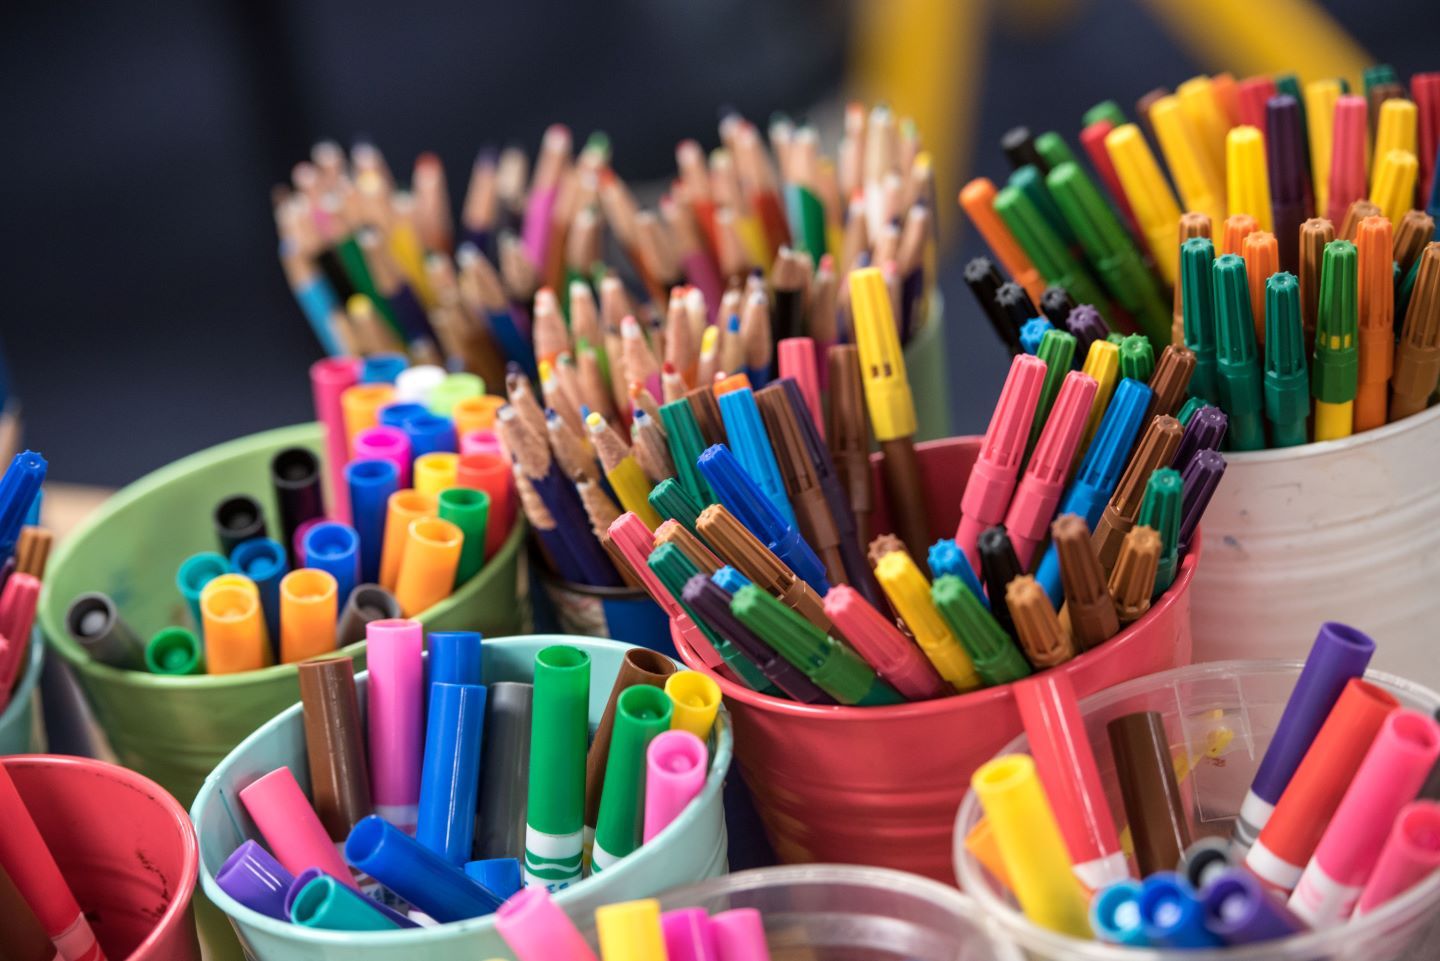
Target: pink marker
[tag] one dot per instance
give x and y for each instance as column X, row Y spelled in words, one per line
column 740, row 935
column 386, row 443
column 676, row 765
column 1065, row 763
column 480, row 441
column 291, row 828
column 1033, row 507
column 17, row 617
column 537, row 930
column 992, row 479
column 634, row 541
column 328, row 380
column 875, row 637
column 297, row 543
column 797, row 360
column 1411, row 855
column 1347, row 157
column 687, row 935
column 1389, row 778
column 396, row 701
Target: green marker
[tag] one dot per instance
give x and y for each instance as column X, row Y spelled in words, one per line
column 452, row 390
column 806, row 215
column 352, row 258
column 175, row 651
column 1115, row 337
column 559, row 738
column 1028, row 180
column 1197, row 305
column 831, row 665
column 1287, row 383
column 1160, row 510
column 1045, row 248
column 1377, row 74
column 1053, row 149
column 1057, row 349
column 1192, row 404
column 641, row 712
column 1337, row 356
column 673, row 568
column 1104, row 110
column 1236, row 360
column 1110, row 249
column 996, row 658
column 468, row 510
column 1137, row 358
column 686, row 446
column 328, row 905
column 672, row 502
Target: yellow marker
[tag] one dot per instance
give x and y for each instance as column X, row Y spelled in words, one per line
column 234, row 625
column 1320, row 97
column 361, row 405
column 1041, row 874
column 475, row 413
column 696, row 698
column 1393, row 188
column 1394, row 130
column 409, row 256
column 1205, row 117
column 1150, row 198
column 435, row 472
column 1201, row 187
column 403, row 507
column 1102, row 363
column 427, row 568
column 887, row 390
column 1247, row 183
column 909, row 593
column 630, row 931
column 308, row 608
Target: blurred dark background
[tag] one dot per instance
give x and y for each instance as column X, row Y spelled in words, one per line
column 148, row 316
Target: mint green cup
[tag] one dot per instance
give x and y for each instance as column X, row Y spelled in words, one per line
column 17, row 721
column 691, row 849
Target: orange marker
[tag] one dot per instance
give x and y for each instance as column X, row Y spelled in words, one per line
column 1377, row 321
column 427, row 570
column 234, row 625
column 403, row 507
column 977, row 199
column 308, row 607
column 475, row 413
column 361, row 405
column 1237, row 228
column 1262, row 258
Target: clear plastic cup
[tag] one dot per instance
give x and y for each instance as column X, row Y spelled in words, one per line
column 1222, row 715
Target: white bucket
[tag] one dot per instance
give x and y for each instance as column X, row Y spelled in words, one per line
column 1345, row 530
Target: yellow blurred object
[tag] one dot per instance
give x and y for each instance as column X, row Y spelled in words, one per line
column 1205, row 117
column 435, row 472
column 1247, row 183
column 1150, row 198
column 1394, row 186
column 1320, row 97
column 1201, row 187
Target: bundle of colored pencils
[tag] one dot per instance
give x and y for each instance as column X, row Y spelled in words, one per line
column 1327, row 283
column 24, row 549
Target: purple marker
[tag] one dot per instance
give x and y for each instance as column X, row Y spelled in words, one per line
column 1285, row 153
column 1340, row 653
column 1204, row 432
column 688, row 936
column 1199, row 480
column 1087, row 326
column 252, row 876
column 1239, row 911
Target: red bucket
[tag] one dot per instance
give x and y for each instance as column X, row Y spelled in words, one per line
column 880, row 785
column 126, row 848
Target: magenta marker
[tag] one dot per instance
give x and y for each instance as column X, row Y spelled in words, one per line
column 329, row 378
column 397, row 711
column 1387, row 780
column 386, row 443
column 676, row 764
column 297, row 543
column 480, row 441
column 537, row 930
column 992, row 479
column 291, row 827
column 1411, row 854
column 1030, row 513
column 740, row 935
column 688, row 936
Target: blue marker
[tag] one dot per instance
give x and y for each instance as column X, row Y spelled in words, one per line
column 751, row 447
column 1115, row 915
column 416, row 873
column 454, row 657
column 729, row 579
column 371, row 483
column 395, row 415
column 18, row 488
column 264, row 561
column 335, row 549
column 429, row 433
column 946, row 557
column 195, row 572
column 317, row 301
column 1099, row 471
column 738, row 491
column 501, row 875
column 382, row 368
column 450, row 775
column 1172, row 915
column 1032, row 332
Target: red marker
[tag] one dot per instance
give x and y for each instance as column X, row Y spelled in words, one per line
column 1410, row 855
column 1033, row 508
column 797, row 360
column 27, row 859
column 1288, row 839
column 1347, row 157
column 875, row 637
column 992, row 479
column 633, row 540
column 1251, row 96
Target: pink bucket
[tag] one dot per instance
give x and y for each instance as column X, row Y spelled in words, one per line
column 126, row 848
column 880, row 785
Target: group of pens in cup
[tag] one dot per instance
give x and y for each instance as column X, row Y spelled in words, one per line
column 1326, row 284
column 1343, row 815
column 423, row 521
column 24, row 549
column 455, row 794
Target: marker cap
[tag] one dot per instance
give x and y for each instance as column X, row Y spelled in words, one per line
column 642, row 713
column 450, row 776
column 887, row 391
column 1039, row 490
column 909, row 594
column 501, row 875
column 469, row 510
column 1411, row 854
column 1239, row 911
column 1160, row 511
column 877, row 640
column 367, row 602
column 631, row 930
column 992, row 479
column 676, row 769
column 435, row 472
column 1159, row 822
column 238, row 518
column 414, row 872
column 307, row 614
column 1171, row 914
column 94, row 623
column 252, row 876
column 740, row 935
column 536, row 929
column 395, row 700
column 335, row 744
column 688, row 936
column 559, row 740
column 946, row 557
column 1199, row 480
column 639, row 666
column 1089, row 608
column 289, row 824
column 709, row 597
column 404, row 506
column 1115, row 915
column 505, row 775
column 751, row 447
column 234, row 626
column 324, row 903
column 428, row 565
column 175, row 651
column 1247, row 184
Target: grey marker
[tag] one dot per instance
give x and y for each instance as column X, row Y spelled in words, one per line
column 368, row 602
column 505, row 779
column 95, row 624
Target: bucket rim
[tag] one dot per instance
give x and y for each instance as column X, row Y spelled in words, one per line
column 1339, row 446
column 22, row 696
column 714, row 786
column 754, row 879
column 55, row 635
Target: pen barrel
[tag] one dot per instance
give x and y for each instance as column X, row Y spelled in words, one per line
column 555, row 820
column 435, row 472
column 504, row 778
column 235, row 636
column 468, row 510
column 904, row 494
column 329, row 378
column 335, row 549
column 94, row 623
column 290, row 826
column 428, row 565
column 675, row 772
column 642, row 713
column 491, row 473
column 537, row 929
column 1410, row 855
column 335, row 745
column 307, row 614
column 450, row 776
column 639, row 666
column 1332, row 421
column 1158, row 821
column 1239, row 911
column 416, row 873
column 370, row 484
column 326, row 904
column 295, row 476
column 404, row 506
column 396, row 718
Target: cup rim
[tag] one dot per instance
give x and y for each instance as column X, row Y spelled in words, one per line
column 1341, row 445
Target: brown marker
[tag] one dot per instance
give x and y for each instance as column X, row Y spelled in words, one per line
column 1417, row 359
column 1154, row 451
column 848, row 434
column 1315, row 233
column 1192, row 224
column 1412, row 233
column 1043, row 638
column 734, row 543
column 622, row 563
column 1359, row 210
column 707, row 414
column 802, row 482
column 1142, row 110
column 1170, row 380
column 366, row 603
column 882, row 545
column 1158, row 823
column 1132, row 582
column 1089, row 608
column 674, row 532
column 640, row 666
column 335, row 745
column 32, row 550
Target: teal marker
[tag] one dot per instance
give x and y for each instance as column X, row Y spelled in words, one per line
column 1057, row 349
column 1160, row 510
column 996, row 658
column 834, row 668
column 686, row 446
column 1192, row 404
column 1197, row 305
column 1045, row 247
column 1236, row 360
column 1137, row 358
column 1028, row 180
column 1287, row 382
column 328, row 905
column 673, row 502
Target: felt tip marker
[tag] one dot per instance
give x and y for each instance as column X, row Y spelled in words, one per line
column 1410, row 855
column 1039, row 490
column 554, row 833
column 537, row 929
column 1115, row 915
column 396, row 719
column 1171, row 913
